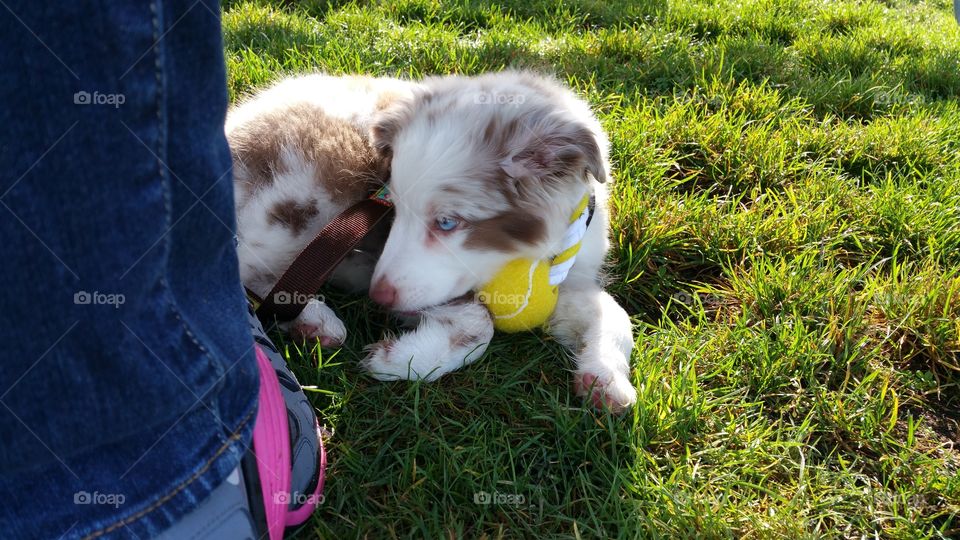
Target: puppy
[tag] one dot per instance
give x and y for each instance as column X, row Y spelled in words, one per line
column 482, row 170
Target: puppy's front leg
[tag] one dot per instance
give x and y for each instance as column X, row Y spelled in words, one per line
column 317, row 321
column 589, row 321
column 447, row 338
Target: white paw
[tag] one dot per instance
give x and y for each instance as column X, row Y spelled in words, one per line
column 384, row 365
column 399, row 359
column 318, row 321
column 446, row 339
column 611, row 390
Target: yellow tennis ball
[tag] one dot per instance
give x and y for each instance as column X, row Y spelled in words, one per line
column 520, row 296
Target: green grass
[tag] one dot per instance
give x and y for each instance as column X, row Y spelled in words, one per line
column 786, row 238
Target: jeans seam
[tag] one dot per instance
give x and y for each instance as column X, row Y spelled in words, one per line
column 234, row 437
column 165, row 181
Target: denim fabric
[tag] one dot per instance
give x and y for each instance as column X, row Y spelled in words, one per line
column 127, row 378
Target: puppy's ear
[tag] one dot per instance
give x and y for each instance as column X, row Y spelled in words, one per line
column 391, row 118
column 554, row 149
column 386, row 126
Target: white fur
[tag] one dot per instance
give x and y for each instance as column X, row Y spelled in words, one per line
column 317, row 320
column 433, row 349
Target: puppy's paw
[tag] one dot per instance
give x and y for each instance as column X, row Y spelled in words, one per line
column 613, row 391
column 447, row 338
column 318, row 321
column 383, row 362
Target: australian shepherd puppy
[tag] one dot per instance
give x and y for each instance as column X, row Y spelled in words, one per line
column 482, row 170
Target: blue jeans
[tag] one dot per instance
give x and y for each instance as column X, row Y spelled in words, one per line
column 127, row 379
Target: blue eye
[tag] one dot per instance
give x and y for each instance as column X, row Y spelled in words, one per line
column 447, row 224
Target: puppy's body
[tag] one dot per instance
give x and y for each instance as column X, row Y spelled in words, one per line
column 302, row 155
column 482, row 170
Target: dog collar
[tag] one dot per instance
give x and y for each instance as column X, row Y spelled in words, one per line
column 562, row 262
column 382, row 195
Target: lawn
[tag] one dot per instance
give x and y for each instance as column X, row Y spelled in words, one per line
column 786, row 239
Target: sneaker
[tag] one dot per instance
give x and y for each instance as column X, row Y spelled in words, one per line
column 279, row 482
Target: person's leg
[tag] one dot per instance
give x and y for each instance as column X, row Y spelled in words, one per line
column 251, row 503
column 128, row 380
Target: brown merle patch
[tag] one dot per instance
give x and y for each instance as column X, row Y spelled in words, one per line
column 346, row 164
column 499, row 135
column 256, row 147
column 507, row 231
column 294, row 215
column 464, row 339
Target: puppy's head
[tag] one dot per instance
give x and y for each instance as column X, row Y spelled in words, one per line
column 484, row 170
